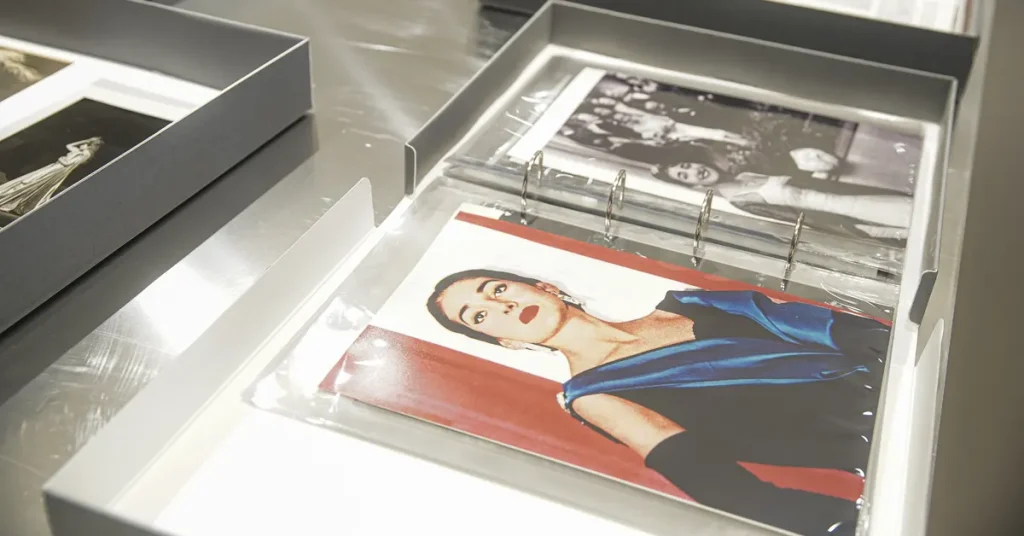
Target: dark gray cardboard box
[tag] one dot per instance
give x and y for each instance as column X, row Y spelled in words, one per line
column 264, row 84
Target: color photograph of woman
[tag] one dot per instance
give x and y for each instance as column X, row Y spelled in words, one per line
column 745, row 400
column 766, row 160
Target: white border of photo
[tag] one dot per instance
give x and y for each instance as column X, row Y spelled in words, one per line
column 939, row 15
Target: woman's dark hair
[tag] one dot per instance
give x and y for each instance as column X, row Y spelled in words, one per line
column 434, row 307
column 691, row 153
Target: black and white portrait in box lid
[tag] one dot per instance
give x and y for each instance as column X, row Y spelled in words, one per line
column 64, row 115
column 851, row 179
column 40, row 159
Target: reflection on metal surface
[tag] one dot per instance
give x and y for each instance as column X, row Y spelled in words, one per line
column 381, row 69
column 182, row 304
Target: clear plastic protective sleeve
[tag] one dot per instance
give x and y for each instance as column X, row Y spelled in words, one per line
column 858, row 203
column 376, row 325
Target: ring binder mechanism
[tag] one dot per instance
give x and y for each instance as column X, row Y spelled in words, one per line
column 537, row 162
column 798, row 228
column 759, row 237
column 795, row 241
column 619, row 186
column 702, row 222
column 616, row 198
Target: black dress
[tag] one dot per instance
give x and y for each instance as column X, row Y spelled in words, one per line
column 820, row 425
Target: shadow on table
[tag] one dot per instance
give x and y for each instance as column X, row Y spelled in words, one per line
column 40, row 339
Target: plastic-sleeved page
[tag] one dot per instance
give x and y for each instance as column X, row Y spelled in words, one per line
column 768, row 159
column 524, row 352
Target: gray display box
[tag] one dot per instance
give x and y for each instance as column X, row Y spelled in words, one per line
column 264, row 83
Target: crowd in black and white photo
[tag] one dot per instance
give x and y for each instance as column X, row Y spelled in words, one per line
column 765, row 159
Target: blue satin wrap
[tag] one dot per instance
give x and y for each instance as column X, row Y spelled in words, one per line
column 804, row 352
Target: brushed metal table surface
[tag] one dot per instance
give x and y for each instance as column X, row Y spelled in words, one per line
column 381, row 69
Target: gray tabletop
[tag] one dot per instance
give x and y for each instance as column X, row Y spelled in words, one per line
column 381, row 69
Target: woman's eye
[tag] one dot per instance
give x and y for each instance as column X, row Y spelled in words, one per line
column 479, row 317
column 498, row 289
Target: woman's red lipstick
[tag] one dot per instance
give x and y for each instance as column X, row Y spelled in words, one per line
column 528, row 314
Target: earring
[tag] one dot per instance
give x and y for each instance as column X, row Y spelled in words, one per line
column 569, row 299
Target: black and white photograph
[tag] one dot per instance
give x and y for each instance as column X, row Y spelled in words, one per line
column 53, row 154
column 762, row 160
column 19, row 70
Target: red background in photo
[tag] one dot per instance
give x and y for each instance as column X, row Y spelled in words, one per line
column 479, row 397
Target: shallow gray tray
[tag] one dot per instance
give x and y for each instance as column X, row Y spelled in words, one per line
column 873, row 40
column 654, row 40
column 264, row 81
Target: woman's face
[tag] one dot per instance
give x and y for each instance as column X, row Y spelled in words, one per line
column 693, row 174
column 506, row 310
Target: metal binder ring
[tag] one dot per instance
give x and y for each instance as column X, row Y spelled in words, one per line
column 618, row 187
column 537, row 161
column 795, row 241
column 702, row 220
